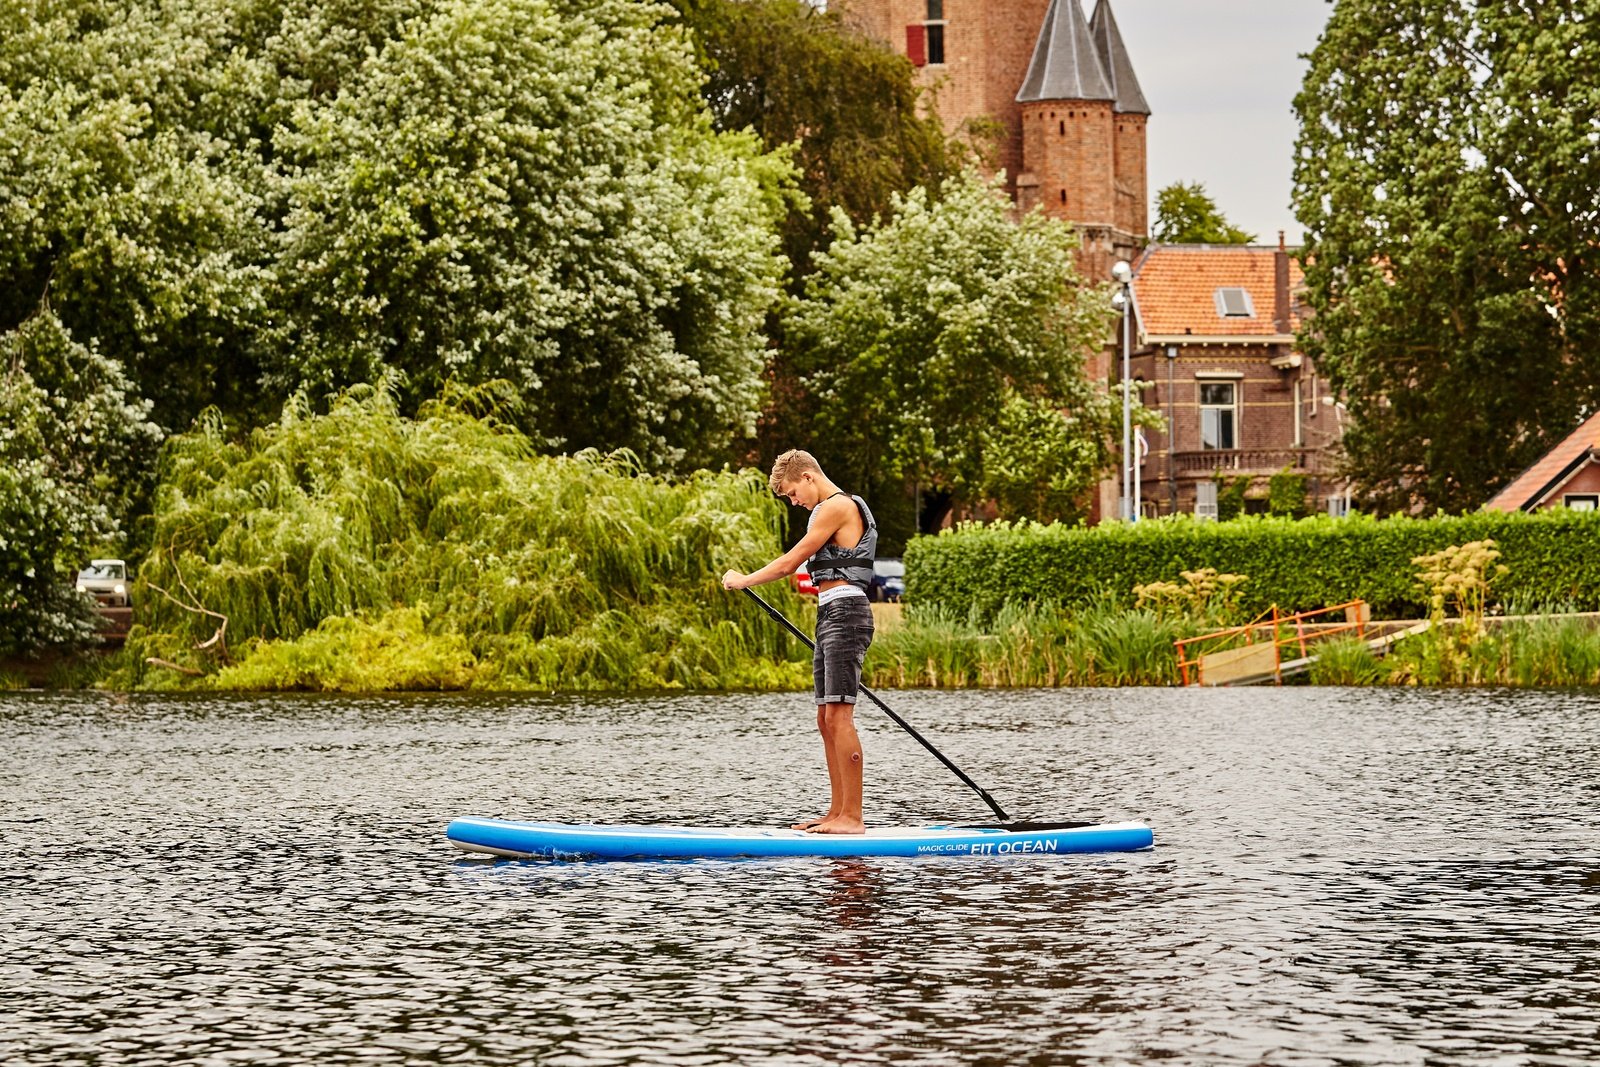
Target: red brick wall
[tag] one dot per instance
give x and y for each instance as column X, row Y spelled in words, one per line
column 1132, row 182
column 1586, row 480
column 988, row 44
column 1265, row 419
column 1069, row 149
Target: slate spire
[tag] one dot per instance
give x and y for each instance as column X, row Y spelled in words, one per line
column 1114, row 60
column 1066, row 65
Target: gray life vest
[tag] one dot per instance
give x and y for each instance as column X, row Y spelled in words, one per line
column 854, row 565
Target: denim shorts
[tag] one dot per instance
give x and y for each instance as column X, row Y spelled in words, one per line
column 844, row 630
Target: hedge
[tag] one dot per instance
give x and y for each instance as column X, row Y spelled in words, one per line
column 1553, row 559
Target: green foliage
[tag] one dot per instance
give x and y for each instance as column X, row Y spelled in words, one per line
column 776, row 67
column 555, row 572
column 1038, row 463
column 1186, row 214
column 1553, row 651
column 74, row 441
column 346, row 654
column 1346, row 661
column 220, row 193
column 1445, row 174
column 1298, row 565
column 130, row 201
column 1286, row 494
column 917, row 333
column 529, row 190
column 1205, row 596
column 1028, row 645
column 1231, row 495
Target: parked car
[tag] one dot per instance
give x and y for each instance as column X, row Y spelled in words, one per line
column 107, row 581
column 801, row 580
column 888, row 580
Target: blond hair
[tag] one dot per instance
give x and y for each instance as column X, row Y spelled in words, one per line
column 787, row 468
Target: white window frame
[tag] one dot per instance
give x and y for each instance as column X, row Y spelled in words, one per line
column 1205, row 500
column 1581, row 501
column 1236, row 384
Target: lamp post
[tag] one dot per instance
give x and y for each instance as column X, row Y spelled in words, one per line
column 1122, row 301
column 1338, row 420
column 1172, row 425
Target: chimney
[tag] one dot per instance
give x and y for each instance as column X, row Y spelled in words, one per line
column 1281, row 288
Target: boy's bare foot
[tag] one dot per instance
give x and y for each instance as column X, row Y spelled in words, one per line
column 807, row 824
column 839, row 825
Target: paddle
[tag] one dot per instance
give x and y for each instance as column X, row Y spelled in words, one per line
column 907, row 727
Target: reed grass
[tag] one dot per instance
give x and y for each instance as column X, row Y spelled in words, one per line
column 1028, row 645
column 1346, row 661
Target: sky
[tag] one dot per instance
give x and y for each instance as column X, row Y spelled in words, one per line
column 1220, row 77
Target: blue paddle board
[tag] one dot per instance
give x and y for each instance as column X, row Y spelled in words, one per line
column 546, row 840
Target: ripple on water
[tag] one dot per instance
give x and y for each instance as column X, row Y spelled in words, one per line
column 1342, row 877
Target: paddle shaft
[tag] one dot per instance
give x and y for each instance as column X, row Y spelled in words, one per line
column 783, row 621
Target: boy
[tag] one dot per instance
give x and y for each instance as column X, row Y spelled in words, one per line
column 838, row 549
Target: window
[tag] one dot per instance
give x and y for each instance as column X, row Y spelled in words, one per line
column 1205, row 500
column 935, row 30
column 1234, row 303
column 1582, row 501
column 1219, row 415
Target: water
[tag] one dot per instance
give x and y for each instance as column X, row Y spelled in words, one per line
column 1340, row 877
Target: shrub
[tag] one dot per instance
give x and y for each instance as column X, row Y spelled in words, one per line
column 1297, row 564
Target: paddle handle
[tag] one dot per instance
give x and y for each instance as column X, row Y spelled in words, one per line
column 783, row 621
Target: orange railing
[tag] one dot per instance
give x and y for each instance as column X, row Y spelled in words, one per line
column 1296, row 631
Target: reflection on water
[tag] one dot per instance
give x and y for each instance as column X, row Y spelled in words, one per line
column 856, row 884
column 1341, row 877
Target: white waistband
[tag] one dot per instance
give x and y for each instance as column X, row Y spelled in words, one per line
column 839, row 592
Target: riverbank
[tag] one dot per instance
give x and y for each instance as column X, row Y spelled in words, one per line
column 1027, row 647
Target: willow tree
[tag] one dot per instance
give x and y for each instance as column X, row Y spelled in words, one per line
column 1445, row 173
column 918, row 336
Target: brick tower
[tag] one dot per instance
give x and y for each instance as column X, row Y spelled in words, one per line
column 1063, row 90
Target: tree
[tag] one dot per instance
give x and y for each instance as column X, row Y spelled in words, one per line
column 530, row 190
column 1186, row 214
column 126, row 205
column 796, row 75
column 228, row 195
column 75, row 439
column 919, row 336
column 1038, row 462
column 1445, row 173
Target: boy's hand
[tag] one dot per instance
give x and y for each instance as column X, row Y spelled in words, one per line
column 734, row 580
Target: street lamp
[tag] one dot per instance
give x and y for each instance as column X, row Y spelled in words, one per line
column 1122, row 301
column 1339, row 411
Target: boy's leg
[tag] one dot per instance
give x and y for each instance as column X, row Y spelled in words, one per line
column 834, row 783
column 844, row 629
column 844, row 769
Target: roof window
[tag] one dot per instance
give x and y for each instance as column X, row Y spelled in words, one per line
column 1234, row 303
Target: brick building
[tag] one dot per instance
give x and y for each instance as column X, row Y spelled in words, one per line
column 1063, row 91
column 1213, row 336
column 1567, row 476
column 1213, row 326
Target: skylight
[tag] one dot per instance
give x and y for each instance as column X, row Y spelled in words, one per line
column 1234, row 303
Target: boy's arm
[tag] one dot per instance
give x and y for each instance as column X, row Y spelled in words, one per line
column 831, row 515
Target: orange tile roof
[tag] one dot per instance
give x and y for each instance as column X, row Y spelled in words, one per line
column 1174, row 287
column 1528, row 488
